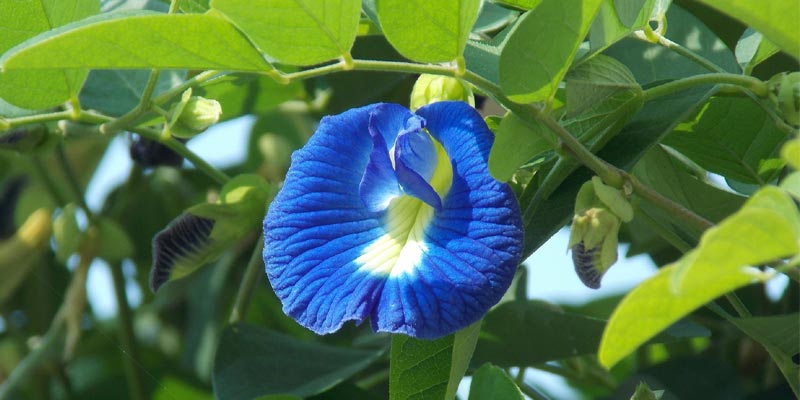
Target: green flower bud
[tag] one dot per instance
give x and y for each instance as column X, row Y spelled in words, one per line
column 192, row 115
column 432, row 88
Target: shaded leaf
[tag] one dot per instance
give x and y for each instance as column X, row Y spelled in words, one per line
column 490, row 382
column 530, row 332
column 128, row 85
column 541, row 47
column 752, row 49
column 730, row 136
column 297, row 32
column 253, row 362
column 66, row 233
column 430, row 368
column 608, row 27
column 515, row 143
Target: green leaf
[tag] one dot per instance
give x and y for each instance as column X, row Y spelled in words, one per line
column 596, row 81
column 776, row 19
column 491, row 382
column 297, row 32
column 730, row 136
column 113, row 244
column 643, row 392
column 670, row 177
column 66, row 233
column 123, row 40
column 791, row 184
column 430, row 368
column 253, row 362
column 752, row 49
column 20, row 20
column 520, row 4
column 428, row 31
column 246, row 94
column 541, row 48
column 632, row 12
column 766, row 228
column 493, row 17
column 651, row 63
column 608, row 27
column 516, row 143
column 653, row 305
column 520, row 333
column 780, row 336
column 128, row 87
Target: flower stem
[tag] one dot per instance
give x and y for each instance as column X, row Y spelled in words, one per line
column 249, row 281
column 32, row 119
column 178, row 147
column 757, row 86
column 72, row 180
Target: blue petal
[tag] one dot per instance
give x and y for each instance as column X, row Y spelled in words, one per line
column 322, row 244
column 379, row 183
column 415, row 161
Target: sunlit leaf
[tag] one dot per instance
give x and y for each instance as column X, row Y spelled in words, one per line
column 428, row 31
column 298, row 32
column 517, row 142
column 776, row 19
column 541, row 48
column 767, row 228
column 123, row 40
column 20, row 20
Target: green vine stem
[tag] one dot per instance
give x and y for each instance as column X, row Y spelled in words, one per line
column 757, row 86
column 126, row 335
column 178, row 147
column 249, row 280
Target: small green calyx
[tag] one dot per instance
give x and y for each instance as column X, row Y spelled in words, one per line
column 432, row 88
column 599, row 212
column 784, row 92
column 192, row 115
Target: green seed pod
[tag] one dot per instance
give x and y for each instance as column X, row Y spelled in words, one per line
column 432, row 88
column 192, row 115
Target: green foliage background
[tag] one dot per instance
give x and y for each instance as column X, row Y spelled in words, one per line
column 652, row 96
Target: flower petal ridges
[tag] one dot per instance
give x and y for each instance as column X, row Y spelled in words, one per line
column 393, row 216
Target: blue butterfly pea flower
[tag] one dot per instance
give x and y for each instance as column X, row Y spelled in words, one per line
column 394, row 216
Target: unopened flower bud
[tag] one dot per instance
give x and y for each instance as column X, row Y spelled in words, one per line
column 194, row 115
column 599, row 211
column 432, row 88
